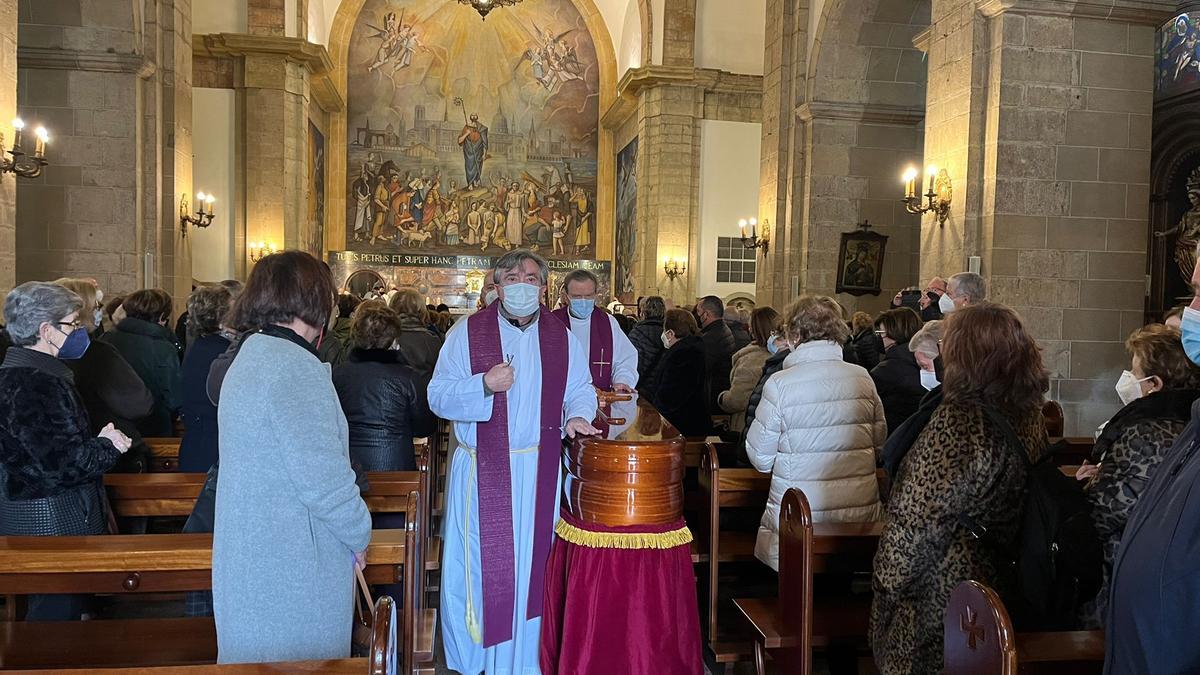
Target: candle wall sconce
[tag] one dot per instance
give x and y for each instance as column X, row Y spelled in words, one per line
column 204, row 212
column 260, row 250
column 938, row 198
column 674, row 268
column 754, row 240
column 22, row 164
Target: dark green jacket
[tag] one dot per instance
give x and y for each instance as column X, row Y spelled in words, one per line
column 151, row 350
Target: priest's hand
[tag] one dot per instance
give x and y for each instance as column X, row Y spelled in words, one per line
column 499, row 378
column 577, row 426
column 622, row 388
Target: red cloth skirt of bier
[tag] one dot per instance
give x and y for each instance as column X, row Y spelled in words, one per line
column 624, row 601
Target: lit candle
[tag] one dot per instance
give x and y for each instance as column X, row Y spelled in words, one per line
column 200, row 203
column 209, row 199
column 910, row 183
column 753, row 227
column 40, row 149
column 742, row 226
column 18, row 126
column 932, row 173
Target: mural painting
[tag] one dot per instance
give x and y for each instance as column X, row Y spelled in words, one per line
column 316, row 190
column 471, row 137
column 626, row 217
column 1177, row 61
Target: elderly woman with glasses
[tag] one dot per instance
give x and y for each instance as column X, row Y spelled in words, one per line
column 50, row 463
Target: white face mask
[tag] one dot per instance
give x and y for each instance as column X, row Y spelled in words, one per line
column 521, row 300
column 946, row 304
column 773, row 344
column 929, row 380
column 665, row 340
column 1129, row 388
column 97, row 317
column 490, row 297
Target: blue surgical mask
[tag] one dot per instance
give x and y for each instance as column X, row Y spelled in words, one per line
column 521, row 300
column 929, row 380
column 581, row 308
column 98, row 317
column 75, row 345
column 1190, row 327
column 773, row 344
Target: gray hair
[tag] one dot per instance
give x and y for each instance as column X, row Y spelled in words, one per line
column 654, row 307
column 34, row 303
column 581, row 275
column 735, row 315
column 516, row 258
column 206, row 307
column 926, row 340
column 969, row 284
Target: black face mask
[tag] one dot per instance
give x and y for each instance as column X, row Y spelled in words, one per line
column 938, row 370
column 933, row 298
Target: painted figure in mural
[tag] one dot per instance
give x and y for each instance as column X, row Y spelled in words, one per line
column 474, row 220
column 551, row 60
column 1188, row 230
column 391, row 37
column 583, row 232
column 514, row 203
column 381, row 208
column 559, row 225
column 362, row 204
column 474, row 142
column 453, row 218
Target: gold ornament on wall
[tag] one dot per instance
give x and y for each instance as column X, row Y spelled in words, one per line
column 938, row 198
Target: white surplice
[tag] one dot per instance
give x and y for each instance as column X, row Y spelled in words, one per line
column 624, row 367
column 457, row 395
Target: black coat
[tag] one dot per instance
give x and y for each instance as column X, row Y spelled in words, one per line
column 867, row 349
column 386, row 406
column 898, row 381
column 418, row 346
column 50, row 461
column 646, row 337
column 679, row 387
column 113, row 392
column 198, row 450
column 718, row 361
column 741, row 336
column 151, row 350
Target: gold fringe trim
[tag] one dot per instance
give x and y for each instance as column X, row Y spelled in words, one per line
column 624, row 540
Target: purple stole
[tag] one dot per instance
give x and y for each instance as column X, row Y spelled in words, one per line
column 600, row 350
column 496, row 548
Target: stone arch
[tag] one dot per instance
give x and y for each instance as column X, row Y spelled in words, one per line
column 646, row 12
column 340, row 33
column 865, row 99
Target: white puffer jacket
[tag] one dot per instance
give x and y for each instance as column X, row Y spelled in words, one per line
column 817, row 428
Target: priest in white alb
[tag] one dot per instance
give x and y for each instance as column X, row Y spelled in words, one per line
column 612, row 358
column 514, row 382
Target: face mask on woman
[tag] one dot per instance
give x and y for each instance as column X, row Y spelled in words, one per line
column 1190, row 327
column 772, row 345
column 97, row 317
column 929, row 380
column 946, row 304
column 75, row 345
column 1129, row 388
column 666, row 340
column 521, row 300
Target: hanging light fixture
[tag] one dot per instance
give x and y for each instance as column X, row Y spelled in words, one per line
column 486, row 6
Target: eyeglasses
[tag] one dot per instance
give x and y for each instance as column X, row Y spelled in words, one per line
column 881, row 333
column 73, row 324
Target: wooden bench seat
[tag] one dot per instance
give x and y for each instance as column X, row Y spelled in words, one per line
column 111, row 643
column 332, row 667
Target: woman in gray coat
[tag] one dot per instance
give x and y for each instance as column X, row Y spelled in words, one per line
column 290, row 523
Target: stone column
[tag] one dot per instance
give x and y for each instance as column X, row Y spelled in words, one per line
column 8, row 109
column 272, row 76
column 113, row 87
column 1042, row 118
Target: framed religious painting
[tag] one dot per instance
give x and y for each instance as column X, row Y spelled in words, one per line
column 860, row 261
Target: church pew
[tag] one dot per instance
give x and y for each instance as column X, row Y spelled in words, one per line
column 790, row 624
column 979, row 640
column 725, row 488
column 164, row 454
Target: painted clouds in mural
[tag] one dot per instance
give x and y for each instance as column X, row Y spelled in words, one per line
column 626, row 220
column 469, row 136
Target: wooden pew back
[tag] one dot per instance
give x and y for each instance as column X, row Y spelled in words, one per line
column 795, row 581
column 978, row 637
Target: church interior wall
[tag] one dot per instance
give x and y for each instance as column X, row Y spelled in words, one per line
column 729, row 158
column 219, row 16
column 629, row 45
column 8, row 110
column 215, row 169
column 729, row 35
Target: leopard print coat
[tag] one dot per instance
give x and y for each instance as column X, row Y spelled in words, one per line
column 959, row 464
column 1122, row 478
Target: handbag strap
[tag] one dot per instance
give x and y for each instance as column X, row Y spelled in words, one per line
column 363, row 595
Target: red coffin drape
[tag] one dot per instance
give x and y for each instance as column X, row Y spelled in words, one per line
column 616, row 609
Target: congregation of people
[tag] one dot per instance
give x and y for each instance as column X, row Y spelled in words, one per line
column 287, row 374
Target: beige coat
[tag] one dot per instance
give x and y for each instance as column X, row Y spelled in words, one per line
column 747, row 370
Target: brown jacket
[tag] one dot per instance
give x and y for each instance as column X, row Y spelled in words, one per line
column 747, row 369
